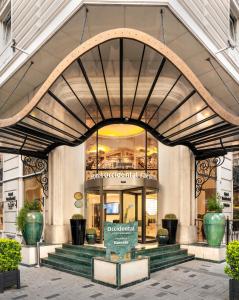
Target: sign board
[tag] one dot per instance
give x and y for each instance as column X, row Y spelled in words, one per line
column 123, row 175
column 120, row 238
column 11, row 200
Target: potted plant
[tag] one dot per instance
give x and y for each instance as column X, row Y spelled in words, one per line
column 30, row 222
column 91, row 235
column 10, row 257
column 232, row 269
column 170, row 222
column 162, row 236
column 78, row 229
column 214, row 222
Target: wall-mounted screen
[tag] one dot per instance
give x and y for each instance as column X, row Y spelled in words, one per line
column 112, row 208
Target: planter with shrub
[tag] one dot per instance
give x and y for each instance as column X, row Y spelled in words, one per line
column 162, row 236
column 30, row 222
column 170, row 222
column 10, row 257
column 78, row 229
column 91, row 236
column 232, row 269
column 214, row 222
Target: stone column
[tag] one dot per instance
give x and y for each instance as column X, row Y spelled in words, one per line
column 66, row 176
column 176, row 178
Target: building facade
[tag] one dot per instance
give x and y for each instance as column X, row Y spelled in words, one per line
column 123, row 172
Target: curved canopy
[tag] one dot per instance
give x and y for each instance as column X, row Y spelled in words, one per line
column 120, row 76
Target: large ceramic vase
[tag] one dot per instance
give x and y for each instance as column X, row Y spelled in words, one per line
column 78, row 231
column 214, row 228
column 33, row 228
column 171, row 225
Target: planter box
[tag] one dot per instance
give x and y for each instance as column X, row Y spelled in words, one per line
column 233, row 289
column 8, row 279
column 119, row 274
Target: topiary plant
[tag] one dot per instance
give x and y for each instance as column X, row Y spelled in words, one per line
column 214, row 204
column 170, row 217
column 91, row 231
column 162, row 232
column 77, row 217
column 10, row 254
column 232, row 260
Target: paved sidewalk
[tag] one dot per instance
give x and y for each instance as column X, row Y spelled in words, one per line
column 192, row 280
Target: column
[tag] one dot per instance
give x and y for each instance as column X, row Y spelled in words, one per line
column 176, row 178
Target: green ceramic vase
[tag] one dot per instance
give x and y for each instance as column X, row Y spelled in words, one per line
column 33, row 229
column 214, row 227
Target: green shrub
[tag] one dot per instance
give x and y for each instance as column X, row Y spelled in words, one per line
column 170, row 217
column 232, row 259
column 90, row 231
column 33, row 205
column 77, row 217
column 21, row 217
column 214, row 204
column 10, row 255
column 162, row 231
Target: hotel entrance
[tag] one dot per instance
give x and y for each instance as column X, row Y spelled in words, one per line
column 122, row 201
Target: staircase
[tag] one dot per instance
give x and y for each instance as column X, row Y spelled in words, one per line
column 78, row 259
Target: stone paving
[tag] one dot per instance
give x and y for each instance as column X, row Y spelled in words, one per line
column 191, row 280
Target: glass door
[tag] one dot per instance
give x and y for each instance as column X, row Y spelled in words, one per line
column 112, row 207
column 132, row 208
column 151, row 215
column 94, row 212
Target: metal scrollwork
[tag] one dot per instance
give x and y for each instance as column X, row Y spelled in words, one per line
column 39, row 167
column 204, row 170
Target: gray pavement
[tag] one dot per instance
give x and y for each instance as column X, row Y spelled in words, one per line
column 192, row 280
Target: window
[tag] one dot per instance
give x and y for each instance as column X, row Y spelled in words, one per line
column 6, row 24
column 32, row 187
column 124, row 148
column 233, row 27
column 1, row 195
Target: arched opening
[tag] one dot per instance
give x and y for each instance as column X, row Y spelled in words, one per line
column 122, row 179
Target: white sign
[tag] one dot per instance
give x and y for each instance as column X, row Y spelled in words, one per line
column 123, row 175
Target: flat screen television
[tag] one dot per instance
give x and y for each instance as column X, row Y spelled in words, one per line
column 112, row 208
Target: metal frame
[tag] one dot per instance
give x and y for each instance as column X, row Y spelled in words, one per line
column 219, row 126
column 99, row 189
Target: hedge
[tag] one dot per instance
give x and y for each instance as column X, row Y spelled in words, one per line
column 232, row 259
column 10, row 254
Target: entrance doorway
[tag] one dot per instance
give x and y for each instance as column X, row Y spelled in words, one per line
column 110, row 201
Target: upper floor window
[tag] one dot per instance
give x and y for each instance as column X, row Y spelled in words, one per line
column 7, row 27
column 6, row 23
column 233, row 26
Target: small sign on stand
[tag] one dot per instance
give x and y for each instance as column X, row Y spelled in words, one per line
column 118, row 271
column 120, row 238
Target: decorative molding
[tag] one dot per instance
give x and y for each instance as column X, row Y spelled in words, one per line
column 204, row 170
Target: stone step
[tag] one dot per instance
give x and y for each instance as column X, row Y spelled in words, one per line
column 88, row 249
column 78, row 252
column 159, row 249
column 63, row 269
column 78, row 259
column 160, row 256
column 71, row 258
column 170, row 262
column 58, row 263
